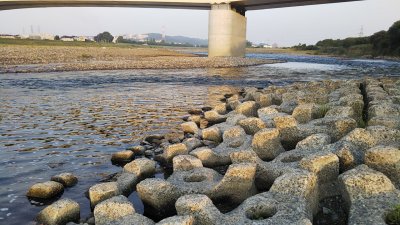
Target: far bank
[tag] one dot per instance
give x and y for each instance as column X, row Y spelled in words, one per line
column 49, row 56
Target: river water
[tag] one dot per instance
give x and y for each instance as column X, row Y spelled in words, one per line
column 72, row 121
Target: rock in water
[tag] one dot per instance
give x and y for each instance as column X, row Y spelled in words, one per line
column 103, row 191
column 112, row 210
column 212, row 134
column 190, row 127
column 122, row 156
column 248, row 109
column 141, row 167
column 66, row 179
column 45, row 190
column 59, row 213
column 174, row 150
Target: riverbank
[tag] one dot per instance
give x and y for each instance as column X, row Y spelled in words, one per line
column 289, row 51
column 38, row 58
column 308, row 153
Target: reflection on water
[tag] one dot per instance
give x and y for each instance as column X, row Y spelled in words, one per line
column 73, row 121
column 230, row 72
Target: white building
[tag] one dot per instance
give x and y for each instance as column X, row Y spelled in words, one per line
column 47, row 37
column 267, row 46
column 136, row 37
column 35, row 37
column 115, row 39
column 67, row 38
column 7, row 36
column 80, row 38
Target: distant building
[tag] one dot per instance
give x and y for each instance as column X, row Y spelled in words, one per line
column 266, row 46
column 35, row 37
column 89, row 38
column 115, row 39
column 142, row 37
column 80, row 38
column 7, row 36
column 47, row 37
column 136, row 37
column 67, row 38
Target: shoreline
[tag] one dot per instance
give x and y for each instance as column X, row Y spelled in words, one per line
column 316, row 152
column 151, row 63
column 39, row 59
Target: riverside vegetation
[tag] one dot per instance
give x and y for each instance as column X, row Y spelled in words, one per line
column 380, row 44
column 276, row 155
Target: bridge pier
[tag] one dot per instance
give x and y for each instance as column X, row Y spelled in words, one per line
column 226, row 31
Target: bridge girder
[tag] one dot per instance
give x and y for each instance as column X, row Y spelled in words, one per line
column 183, row 4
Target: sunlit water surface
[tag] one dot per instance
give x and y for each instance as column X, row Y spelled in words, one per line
column 73, row 121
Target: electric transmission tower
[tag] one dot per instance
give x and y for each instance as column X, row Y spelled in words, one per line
column 163, row 33
column 361, row 34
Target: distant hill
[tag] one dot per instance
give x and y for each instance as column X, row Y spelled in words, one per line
column 179, row 39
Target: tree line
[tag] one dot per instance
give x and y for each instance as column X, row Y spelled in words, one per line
column 382, row 43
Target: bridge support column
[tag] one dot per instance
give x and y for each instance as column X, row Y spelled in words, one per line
column 226, row 31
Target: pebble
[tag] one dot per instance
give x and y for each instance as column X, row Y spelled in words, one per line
column 65, row 59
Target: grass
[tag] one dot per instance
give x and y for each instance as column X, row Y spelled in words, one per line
column 322, row 110
column 393, row 217
column 361, row 123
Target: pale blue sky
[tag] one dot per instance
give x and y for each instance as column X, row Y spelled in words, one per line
column 285, row 26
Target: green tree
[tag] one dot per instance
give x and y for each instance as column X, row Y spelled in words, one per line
column 394, row 37
column 120, row 39
column 380, row 43
column 249, row 44
column 104, row 37
column 57, row 38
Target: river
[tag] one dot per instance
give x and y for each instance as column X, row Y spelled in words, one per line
column 73, row 121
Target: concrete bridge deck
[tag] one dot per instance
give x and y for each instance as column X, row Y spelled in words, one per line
column 186, row 4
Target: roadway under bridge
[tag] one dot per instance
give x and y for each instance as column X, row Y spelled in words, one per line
column 227, row 20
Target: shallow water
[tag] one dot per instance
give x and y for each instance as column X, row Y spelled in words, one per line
column 73, row 121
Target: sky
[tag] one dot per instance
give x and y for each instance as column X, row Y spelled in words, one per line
column 284, row 26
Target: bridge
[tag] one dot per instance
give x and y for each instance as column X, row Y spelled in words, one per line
column 227, row 20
